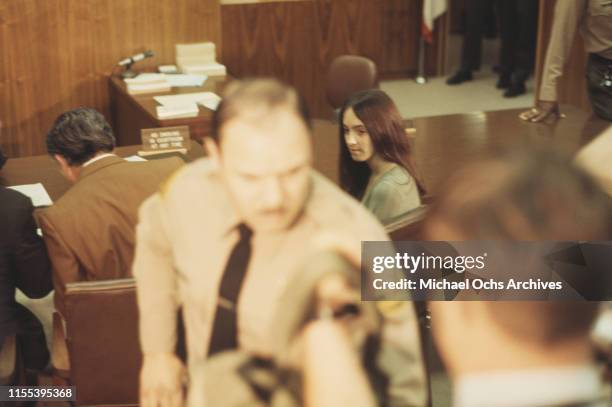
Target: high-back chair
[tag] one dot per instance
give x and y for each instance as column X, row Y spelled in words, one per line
column 347, row 75
column 408, row 226
column 101, row 325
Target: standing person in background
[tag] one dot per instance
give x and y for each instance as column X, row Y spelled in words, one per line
column 518, row 27
column 593, row 18
column 376, row 165
column 476, row 15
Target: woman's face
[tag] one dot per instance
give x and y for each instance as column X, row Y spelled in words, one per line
column 356, row 137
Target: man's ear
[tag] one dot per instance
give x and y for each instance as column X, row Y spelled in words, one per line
column 69, row 172
column 212, row 150
column 62, row 161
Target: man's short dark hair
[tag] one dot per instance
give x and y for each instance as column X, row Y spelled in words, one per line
column 79, row 134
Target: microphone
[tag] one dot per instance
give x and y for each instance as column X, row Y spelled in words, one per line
column 135, row 58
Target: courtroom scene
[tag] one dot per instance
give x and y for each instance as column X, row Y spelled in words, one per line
column 234, row 203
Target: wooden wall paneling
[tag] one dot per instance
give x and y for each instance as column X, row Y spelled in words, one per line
column 57, row 54
column 296, row 41
column 572, row 85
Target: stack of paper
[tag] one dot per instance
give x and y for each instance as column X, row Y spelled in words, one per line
column 147, row 83
column 207, row 99
column 181, row 80
column 177, row 111
column 209, row 69
column 199, row 59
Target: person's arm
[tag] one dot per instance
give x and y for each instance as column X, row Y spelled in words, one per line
column 567, row 17
column 333, row 375
column 162, row 373
column 32, row 266
column 65, row 265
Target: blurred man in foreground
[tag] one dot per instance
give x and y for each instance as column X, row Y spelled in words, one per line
column 225, row 236
column 521, row 353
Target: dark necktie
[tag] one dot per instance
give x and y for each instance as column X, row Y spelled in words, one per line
column 224, row 334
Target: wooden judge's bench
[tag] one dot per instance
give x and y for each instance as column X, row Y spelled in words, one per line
column 132, row 113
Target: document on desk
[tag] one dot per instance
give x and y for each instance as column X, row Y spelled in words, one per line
column 36, row 192
column 207, row 99
column 183, row 80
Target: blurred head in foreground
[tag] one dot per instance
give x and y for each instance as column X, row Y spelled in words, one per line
column 261, row 141
column 517, row 196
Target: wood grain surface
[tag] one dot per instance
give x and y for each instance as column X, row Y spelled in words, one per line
column 57, row 54
column 296, row 41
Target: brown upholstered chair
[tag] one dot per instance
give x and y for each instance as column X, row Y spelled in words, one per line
column 349, row 74
column 408, row 226
column 104, row 357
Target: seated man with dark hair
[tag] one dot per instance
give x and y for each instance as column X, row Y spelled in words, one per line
column 520, row 353
column 89, row 231
column 23, row 264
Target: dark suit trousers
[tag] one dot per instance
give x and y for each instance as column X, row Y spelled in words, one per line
column 518, row 26
column 600, row 95
column 32, row 352
column 476, row 14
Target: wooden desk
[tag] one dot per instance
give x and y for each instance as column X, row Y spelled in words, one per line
column 442, row 144
column 43, row 169
column 131, row 113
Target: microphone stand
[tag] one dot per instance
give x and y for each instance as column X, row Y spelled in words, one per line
column 128, row 73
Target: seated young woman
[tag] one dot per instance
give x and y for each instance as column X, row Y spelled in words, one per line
column 375, row 156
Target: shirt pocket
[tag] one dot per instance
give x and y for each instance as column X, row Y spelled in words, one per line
column 600, row 8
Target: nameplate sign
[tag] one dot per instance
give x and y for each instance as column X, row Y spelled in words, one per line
column 165, row 140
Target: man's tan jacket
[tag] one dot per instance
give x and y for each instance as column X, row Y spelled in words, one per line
column 89, row 231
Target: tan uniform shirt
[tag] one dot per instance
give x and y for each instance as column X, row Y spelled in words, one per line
column 594, row 19
column 184, row 238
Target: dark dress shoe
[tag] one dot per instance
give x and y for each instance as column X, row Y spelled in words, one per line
column 515, row 89
column 504, row 81
column 459, row 77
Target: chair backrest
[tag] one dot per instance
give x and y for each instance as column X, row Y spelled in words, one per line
column 408, row 226
column 347, row 75
column 8, row 359
column 102, row 337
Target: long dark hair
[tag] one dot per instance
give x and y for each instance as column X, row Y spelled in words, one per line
column 385, row 127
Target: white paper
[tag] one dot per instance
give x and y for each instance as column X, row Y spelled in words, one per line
column 212, row 104
column 36, row 192
column 145, row 77
column 182, row 80
column 188, row 98
column 171, row 112
column 134, row 159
